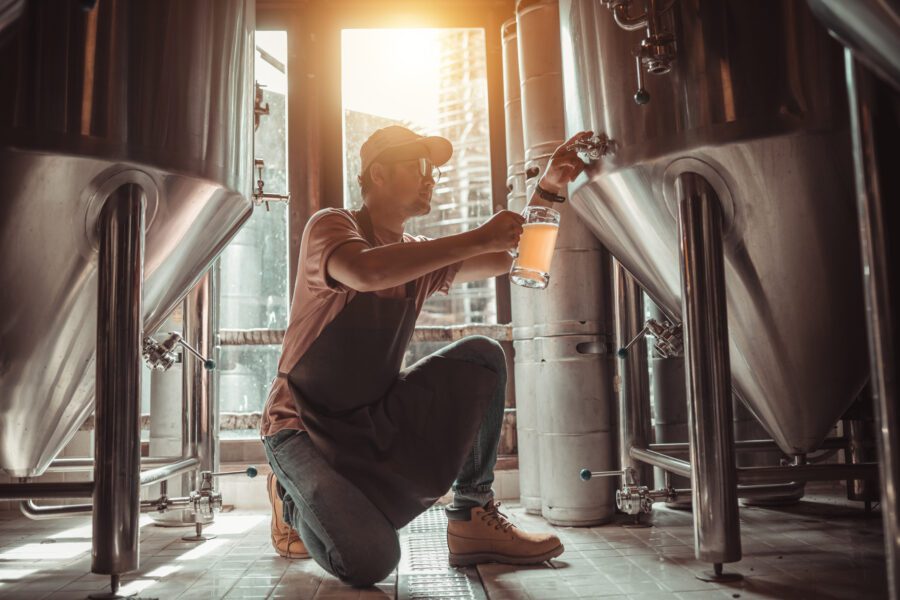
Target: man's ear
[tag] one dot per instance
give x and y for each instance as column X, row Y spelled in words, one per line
column 378, row 173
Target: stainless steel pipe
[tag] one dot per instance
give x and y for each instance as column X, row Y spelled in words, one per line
column 59, row 489
column 717, row 536
column 820, row 472
column 117, row 443
column 200, row 437
column 764, row 475
column 874, row 125
column 85, row 463
column 164, row 472
column 667, row 463
column 747, row 446
column 39, row 513
column 634, row 385
column 871, row 28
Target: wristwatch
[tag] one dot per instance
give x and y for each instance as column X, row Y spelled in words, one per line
column 548, row 195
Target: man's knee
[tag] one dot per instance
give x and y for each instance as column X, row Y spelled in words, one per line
column 489, row 348
column 371, row 563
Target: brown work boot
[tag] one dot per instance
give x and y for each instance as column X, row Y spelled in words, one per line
column 285, row 540
column 488, row 536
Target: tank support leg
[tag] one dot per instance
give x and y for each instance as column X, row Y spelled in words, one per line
column 117, row 444
column 714, row 483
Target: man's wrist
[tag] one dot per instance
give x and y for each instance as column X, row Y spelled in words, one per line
column 550, row 196
column 553, row 189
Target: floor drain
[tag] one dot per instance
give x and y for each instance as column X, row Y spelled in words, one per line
column 424, row 571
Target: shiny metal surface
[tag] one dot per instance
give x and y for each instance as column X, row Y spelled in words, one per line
column 529, row 370
column 575, row 428
column 525, row 304
column 717, row 535
column 873, row 116
column 670, row 419
column 164, row 472
column 742, row 107
column 819, row 472
column 156, row 93
column 633, row 382
column 512, row 102
column 200, row 325
column 68, row 489
column 871, row 28
column 117, row 436
column 575, row 301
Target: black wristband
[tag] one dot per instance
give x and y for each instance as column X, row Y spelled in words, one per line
column 548, row 195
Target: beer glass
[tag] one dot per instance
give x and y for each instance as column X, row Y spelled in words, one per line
column 531, row 267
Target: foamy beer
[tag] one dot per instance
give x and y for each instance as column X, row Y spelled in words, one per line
column 531, row 268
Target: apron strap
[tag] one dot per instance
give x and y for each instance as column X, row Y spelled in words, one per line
column 365, row 221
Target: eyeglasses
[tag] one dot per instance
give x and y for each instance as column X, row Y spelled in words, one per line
column 425, row 168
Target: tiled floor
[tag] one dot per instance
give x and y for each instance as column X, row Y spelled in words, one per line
column 822, row 548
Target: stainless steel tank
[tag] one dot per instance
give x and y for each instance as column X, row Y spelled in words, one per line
column 157, row 93
column 572, row 302
column 755, row 103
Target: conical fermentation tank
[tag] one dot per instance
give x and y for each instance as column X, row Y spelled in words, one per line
column 157, row 93
column 751, row 96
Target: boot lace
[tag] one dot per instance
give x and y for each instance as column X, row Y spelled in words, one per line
column 493, row 516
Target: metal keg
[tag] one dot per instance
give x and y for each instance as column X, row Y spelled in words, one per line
column 574, row 411
column 528, row 369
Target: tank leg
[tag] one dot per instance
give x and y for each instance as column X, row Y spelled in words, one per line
column 117, row 445
column 874, row 129
column 714, row 483
column 634, row 386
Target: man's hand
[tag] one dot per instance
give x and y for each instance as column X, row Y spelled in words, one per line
column 501, row 232
column 564, row 166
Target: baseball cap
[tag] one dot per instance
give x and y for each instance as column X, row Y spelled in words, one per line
column 397, row 138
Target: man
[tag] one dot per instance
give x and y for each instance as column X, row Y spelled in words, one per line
column 359, row 447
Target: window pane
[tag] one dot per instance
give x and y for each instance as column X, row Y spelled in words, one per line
column 254, row 266
column 253, row 288
column 433, row 81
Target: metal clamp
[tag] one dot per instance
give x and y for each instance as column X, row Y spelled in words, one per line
column 260, row 196
column 669, row 339
column 594, row 147
column 161, row 356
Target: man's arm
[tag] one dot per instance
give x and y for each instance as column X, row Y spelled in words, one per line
column 564, row 166
column 483, row 266
column 366, row 269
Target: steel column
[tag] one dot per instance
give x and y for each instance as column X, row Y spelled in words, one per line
column 117, row 445
column 717, row 536
column 870, row 114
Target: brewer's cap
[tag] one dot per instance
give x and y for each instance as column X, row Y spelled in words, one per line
column 395, row 137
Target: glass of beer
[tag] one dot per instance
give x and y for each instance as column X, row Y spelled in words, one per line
column 531, row 267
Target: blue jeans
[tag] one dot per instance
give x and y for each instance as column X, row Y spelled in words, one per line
column 342, row 530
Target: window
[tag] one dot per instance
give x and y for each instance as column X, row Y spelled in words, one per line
column 253, row 269
column 433, row 81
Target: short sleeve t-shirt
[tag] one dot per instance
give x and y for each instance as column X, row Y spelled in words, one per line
column 318, row 299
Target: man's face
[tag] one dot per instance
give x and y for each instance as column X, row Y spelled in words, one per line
column 401, row 183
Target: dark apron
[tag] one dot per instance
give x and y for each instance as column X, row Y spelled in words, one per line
column 400, row 436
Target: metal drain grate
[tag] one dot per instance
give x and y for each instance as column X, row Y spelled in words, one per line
column 424, row 571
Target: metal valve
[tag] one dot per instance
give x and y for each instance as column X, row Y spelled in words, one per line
column 633, row 500
column 260, row 196
column 594, row 147
column 669, row 340
column 206, row 501
column 656, row 52
column 161, row 356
